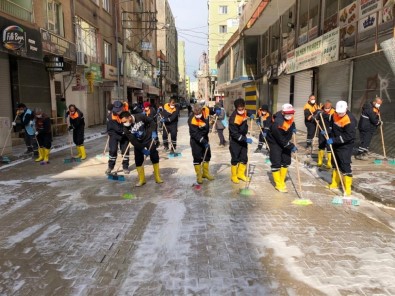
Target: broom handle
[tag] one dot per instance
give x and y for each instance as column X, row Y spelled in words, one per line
column 8, row 135
column 71, row 145
column 297, row 167
column 149, row 149
column 382, row 137
column 167, row 132
column 215, row 122
column 264, row 138
column 105, row 147
column 123, row 156
column 334, row 156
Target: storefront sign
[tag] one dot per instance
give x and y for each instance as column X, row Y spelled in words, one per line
column 368, row 15
column 153, row 90
column 146, row 45
column 97, row 72
column 309, row 55
column 110, row 72
column 133, row 83
column 57, row 45
column 20, row 40
column 54, row 63
column 330, row 46
column 291, row 62
column 348, row 20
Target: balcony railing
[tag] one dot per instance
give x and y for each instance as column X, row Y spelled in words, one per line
column 16, row 10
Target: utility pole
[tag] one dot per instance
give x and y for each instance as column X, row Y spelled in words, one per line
column 125, row 83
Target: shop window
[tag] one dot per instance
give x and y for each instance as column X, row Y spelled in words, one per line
column 303, row 22
column 55, row 17
column 107, row 53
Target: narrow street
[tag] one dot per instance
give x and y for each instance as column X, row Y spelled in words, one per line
column 67, row 230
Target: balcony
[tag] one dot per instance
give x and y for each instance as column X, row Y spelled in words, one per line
column 9, row 7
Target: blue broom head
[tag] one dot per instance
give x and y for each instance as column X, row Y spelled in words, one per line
column 337, row 200
column 378, row 161
column 116, row 178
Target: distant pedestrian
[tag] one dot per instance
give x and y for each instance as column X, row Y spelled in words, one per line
column 219, row 124
column 27, row 122
column 77, row 125
column 43, row 135
column 309, row 109
column 367, row 126
column 263, row 120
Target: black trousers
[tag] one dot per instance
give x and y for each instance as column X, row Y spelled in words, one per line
column 44, row 140
column 113, row 144
column 221, row 136
column 139, row 155
column 343, row 156
column 198, row 151
column 322, row 143
column 78, row 136
column 365, row 137
column 172, row 130
column 311, row 127
column 279, row 157
column 261, row 140
column 31, row 143
column 238, row 152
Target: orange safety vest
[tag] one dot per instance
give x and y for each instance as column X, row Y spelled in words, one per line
column 198, row 121
column 341, row 121
column 239, row 119
column 286, row 124
column 116, row 118
column 168, row 109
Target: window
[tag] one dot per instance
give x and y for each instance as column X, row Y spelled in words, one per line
column 86, row 39
column 106, row 5
column 223, row 29
column 107, row 53
column 55, row 17
column 223, row 9
column 96, row 2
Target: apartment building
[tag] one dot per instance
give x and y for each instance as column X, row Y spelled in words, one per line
column 286, row 50
column 182, row 93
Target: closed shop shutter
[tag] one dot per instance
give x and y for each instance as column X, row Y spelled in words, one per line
column 34, row 89
column 334, row 82
column 373, row 76
column 5, row 87
column 302, row 92
column 284, row 87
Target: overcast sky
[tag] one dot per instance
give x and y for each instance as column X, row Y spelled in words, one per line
column 191, row 22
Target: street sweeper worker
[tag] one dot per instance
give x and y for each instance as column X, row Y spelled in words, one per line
column 238, row 141
column 77, row 125
column 327, row 112
column 263, row 120
column 43, row 135
column 367, row 126
column 140, row 132
column 151, row 113
column 169, row 118
column 279, row 139
column 27, row 121
column 117, row 138
column 199, row 129
column 342, row 136
column 309, row 110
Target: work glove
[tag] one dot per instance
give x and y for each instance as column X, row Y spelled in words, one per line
column 294, row 131
column 258, row 122
column 379, row 123
column 323, row 133
column 294, row 149
column 36, row 133
column 206, row 145
column 13, row 123
column 252, row 116
column 329, row 141
column 162, row 120
column 146, row 152
column 248, row 140
column 154, row 135
column 143, row 113
column 71, row 128
column 218, row 112
column 264, row 135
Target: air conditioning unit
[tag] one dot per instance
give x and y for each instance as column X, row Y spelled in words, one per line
column 82, row 59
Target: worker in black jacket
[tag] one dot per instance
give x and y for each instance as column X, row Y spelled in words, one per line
column 43, row 135
column 169, row 118
column 77, row 125
column 140, row 132
column 238, row 141
column 27, row 121
column 342, row 136
column 199, row 129
column 309, row 109
column 264, row 121
column 117, row 137
column 151, row 113
column 279, row 139
column 368, row 123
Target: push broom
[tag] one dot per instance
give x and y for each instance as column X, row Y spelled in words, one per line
column 114, row 176
column 72, row 158
column 246, row 191
column 5, row 159
column 267, row 159
column 338, row 199
column 102, row 155
column 300, row 201
column 174, row 153
column 380, row 161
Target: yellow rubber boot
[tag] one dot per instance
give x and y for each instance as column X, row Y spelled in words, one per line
column 206, row 171
column 198, row 171
column 278, row 182
column 347, row 184
column 335, row 180
column 83, row 152
column 329, row 162
column 141, row 175
column 320, row 157
column 46, row 155
column 40, row 155
column 283, row 175
column 234, row 174
column 78, row 152
column 156, row 173
column 241, row 172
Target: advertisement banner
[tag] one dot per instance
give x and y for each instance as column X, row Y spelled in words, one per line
column 347, row 20
column 291, row 62
column 330, row 46
column 309, row 55
column 57, row 45
column 368, row 15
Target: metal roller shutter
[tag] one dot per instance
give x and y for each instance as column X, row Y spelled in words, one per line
column 302, row 92
column 5, row 87
column 334, row 82
column 284, row 88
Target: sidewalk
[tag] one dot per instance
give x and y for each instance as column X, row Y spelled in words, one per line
column 376, row 182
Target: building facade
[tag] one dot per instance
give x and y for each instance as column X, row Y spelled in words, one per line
column 182, row 93
column 336, row 49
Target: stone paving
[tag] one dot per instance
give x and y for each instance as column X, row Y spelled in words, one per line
column 66, row 230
